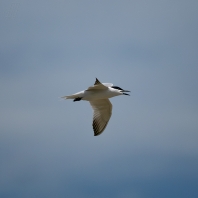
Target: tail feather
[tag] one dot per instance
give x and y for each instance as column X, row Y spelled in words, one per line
column 68, row 97
column 73, row 96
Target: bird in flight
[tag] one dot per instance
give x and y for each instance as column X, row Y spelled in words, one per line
column 98, row 95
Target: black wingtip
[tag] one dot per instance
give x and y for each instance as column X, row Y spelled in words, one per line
column 97, row 82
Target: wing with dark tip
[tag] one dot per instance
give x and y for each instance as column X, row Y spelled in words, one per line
column 97, row 82
column 102, row 113
column 97, row 85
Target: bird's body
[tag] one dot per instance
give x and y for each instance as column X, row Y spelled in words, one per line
column 98, row 96
column 95, row 94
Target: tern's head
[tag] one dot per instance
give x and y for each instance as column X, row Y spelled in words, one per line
column 121, row 91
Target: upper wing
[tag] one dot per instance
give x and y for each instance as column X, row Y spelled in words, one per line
column 99, row 85
column 108, row 84
column 102, row 113
column 97, row 82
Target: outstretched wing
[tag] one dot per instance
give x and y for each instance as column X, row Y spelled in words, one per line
column 102, row 113
column 99, row 85
column 97, row 82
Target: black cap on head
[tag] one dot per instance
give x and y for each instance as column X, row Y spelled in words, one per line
column 116, row 87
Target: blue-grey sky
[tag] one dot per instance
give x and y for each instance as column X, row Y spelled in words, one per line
column 53, row 48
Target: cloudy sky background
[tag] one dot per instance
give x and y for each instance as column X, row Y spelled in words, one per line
column 53, row 48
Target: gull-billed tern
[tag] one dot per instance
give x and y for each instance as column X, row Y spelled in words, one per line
column 98, row 95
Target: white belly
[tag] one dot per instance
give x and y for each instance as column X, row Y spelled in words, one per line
column 97, row 95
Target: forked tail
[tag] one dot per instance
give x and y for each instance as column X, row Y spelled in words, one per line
column 74, row 96
column 68, row 97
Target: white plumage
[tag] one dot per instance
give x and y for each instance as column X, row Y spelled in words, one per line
column 98, row 95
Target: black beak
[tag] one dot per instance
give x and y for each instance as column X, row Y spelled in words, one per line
column 125, row 94
column 125, row 91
